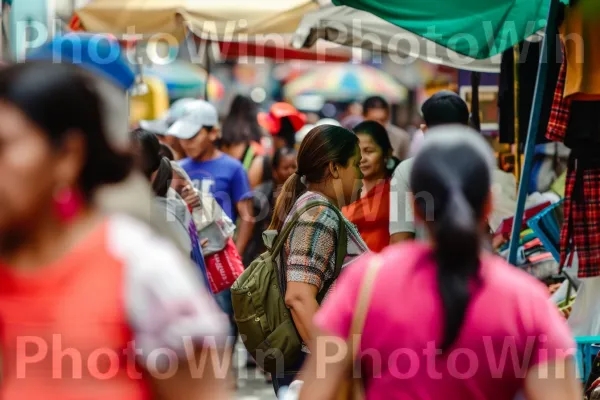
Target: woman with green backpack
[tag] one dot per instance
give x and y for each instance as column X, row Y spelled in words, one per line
column 308, row 243
column 329, row 178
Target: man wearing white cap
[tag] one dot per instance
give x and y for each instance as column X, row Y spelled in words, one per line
column 211, row 171
column 161, row 125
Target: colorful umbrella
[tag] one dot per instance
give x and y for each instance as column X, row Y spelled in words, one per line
column 346, row 82
column 474, row 28
column 186, row 80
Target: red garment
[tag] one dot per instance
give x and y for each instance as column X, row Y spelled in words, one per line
column 371, row 215
column 561, row 109
column 581, row 228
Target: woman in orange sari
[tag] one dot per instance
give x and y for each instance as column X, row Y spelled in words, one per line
column 371, row 213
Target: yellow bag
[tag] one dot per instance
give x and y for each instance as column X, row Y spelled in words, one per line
column 352, row 388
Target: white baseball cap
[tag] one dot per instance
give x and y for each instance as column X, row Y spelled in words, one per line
column 194, row 116
column 161, row 125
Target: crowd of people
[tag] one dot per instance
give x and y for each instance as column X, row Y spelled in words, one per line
column 413, row 210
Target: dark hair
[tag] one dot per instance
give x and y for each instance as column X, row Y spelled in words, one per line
column 163, row 178
column 148, row 151
column 165, row 151
column 62, row 99
column 151, row 161
column 443, row 108
column 287, row 132
column 375, row 102
column 241, row 124
column 381, row 138
column 454, row 172
column 322, row 145
column 280, row 153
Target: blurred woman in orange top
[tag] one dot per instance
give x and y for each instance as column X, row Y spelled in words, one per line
column 371, row 213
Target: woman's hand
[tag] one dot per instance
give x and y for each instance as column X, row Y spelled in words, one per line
column 191, row 197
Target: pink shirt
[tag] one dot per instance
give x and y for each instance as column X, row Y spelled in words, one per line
column 510, row 327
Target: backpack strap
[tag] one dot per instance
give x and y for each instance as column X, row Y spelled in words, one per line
column 342, row 242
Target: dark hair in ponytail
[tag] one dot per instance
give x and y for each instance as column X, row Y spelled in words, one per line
column 451, row 177
column 163, row 178
column 322, row 145
column 150, row 160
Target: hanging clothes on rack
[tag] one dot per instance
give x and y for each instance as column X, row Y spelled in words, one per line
column 575, row 121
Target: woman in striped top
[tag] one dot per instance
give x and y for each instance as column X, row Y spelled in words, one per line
column 328, row 172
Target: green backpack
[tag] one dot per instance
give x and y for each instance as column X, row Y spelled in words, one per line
column 264, row 321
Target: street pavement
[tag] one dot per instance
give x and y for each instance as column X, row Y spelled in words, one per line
column 251, row 383
column 252, row 386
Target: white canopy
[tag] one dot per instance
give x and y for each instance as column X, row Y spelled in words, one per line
column 360, row 29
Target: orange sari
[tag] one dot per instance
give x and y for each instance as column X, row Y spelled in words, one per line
column 371, row 215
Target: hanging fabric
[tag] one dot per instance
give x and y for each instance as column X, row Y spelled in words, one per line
column 527, row 65
column 575, row 121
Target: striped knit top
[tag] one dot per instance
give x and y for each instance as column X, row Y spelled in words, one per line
column 310, row 250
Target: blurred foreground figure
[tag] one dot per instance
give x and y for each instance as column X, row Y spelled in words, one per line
column 449, row 336
column 88, row 301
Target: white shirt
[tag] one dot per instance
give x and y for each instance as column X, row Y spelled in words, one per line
column 402, row 216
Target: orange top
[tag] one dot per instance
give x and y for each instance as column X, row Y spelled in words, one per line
column 69, row 329
column 371, row 215
column 581, row 36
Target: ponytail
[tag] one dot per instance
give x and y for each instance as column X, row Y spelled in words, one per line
column 457, row 238
column 164, row 175
column 454, row 169
column 292, row 189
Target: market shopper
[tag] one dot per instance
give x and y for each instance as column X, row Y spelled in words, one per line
column 377, row 109
column 443, row 108
column 327, row 172
column 282, row 121
column 448, row 335
column 240, row 139
column 216, row 174
column 168, row 205
column 211, row 171
column 371, row 213
column 78, row 285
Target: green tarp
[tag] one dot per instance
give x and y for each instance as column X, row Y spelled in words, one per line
column 475, row 28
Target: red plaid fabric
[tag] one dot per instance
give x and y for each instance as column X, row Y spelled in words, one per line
column 561, row 108
column 581, row 229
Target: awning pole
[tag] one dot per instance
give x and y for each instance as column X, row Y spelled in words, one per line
column 548, row 42
column 517, row 141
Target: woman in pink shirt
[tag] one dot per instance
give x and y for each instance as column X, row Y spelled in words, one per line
column 445, row 320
